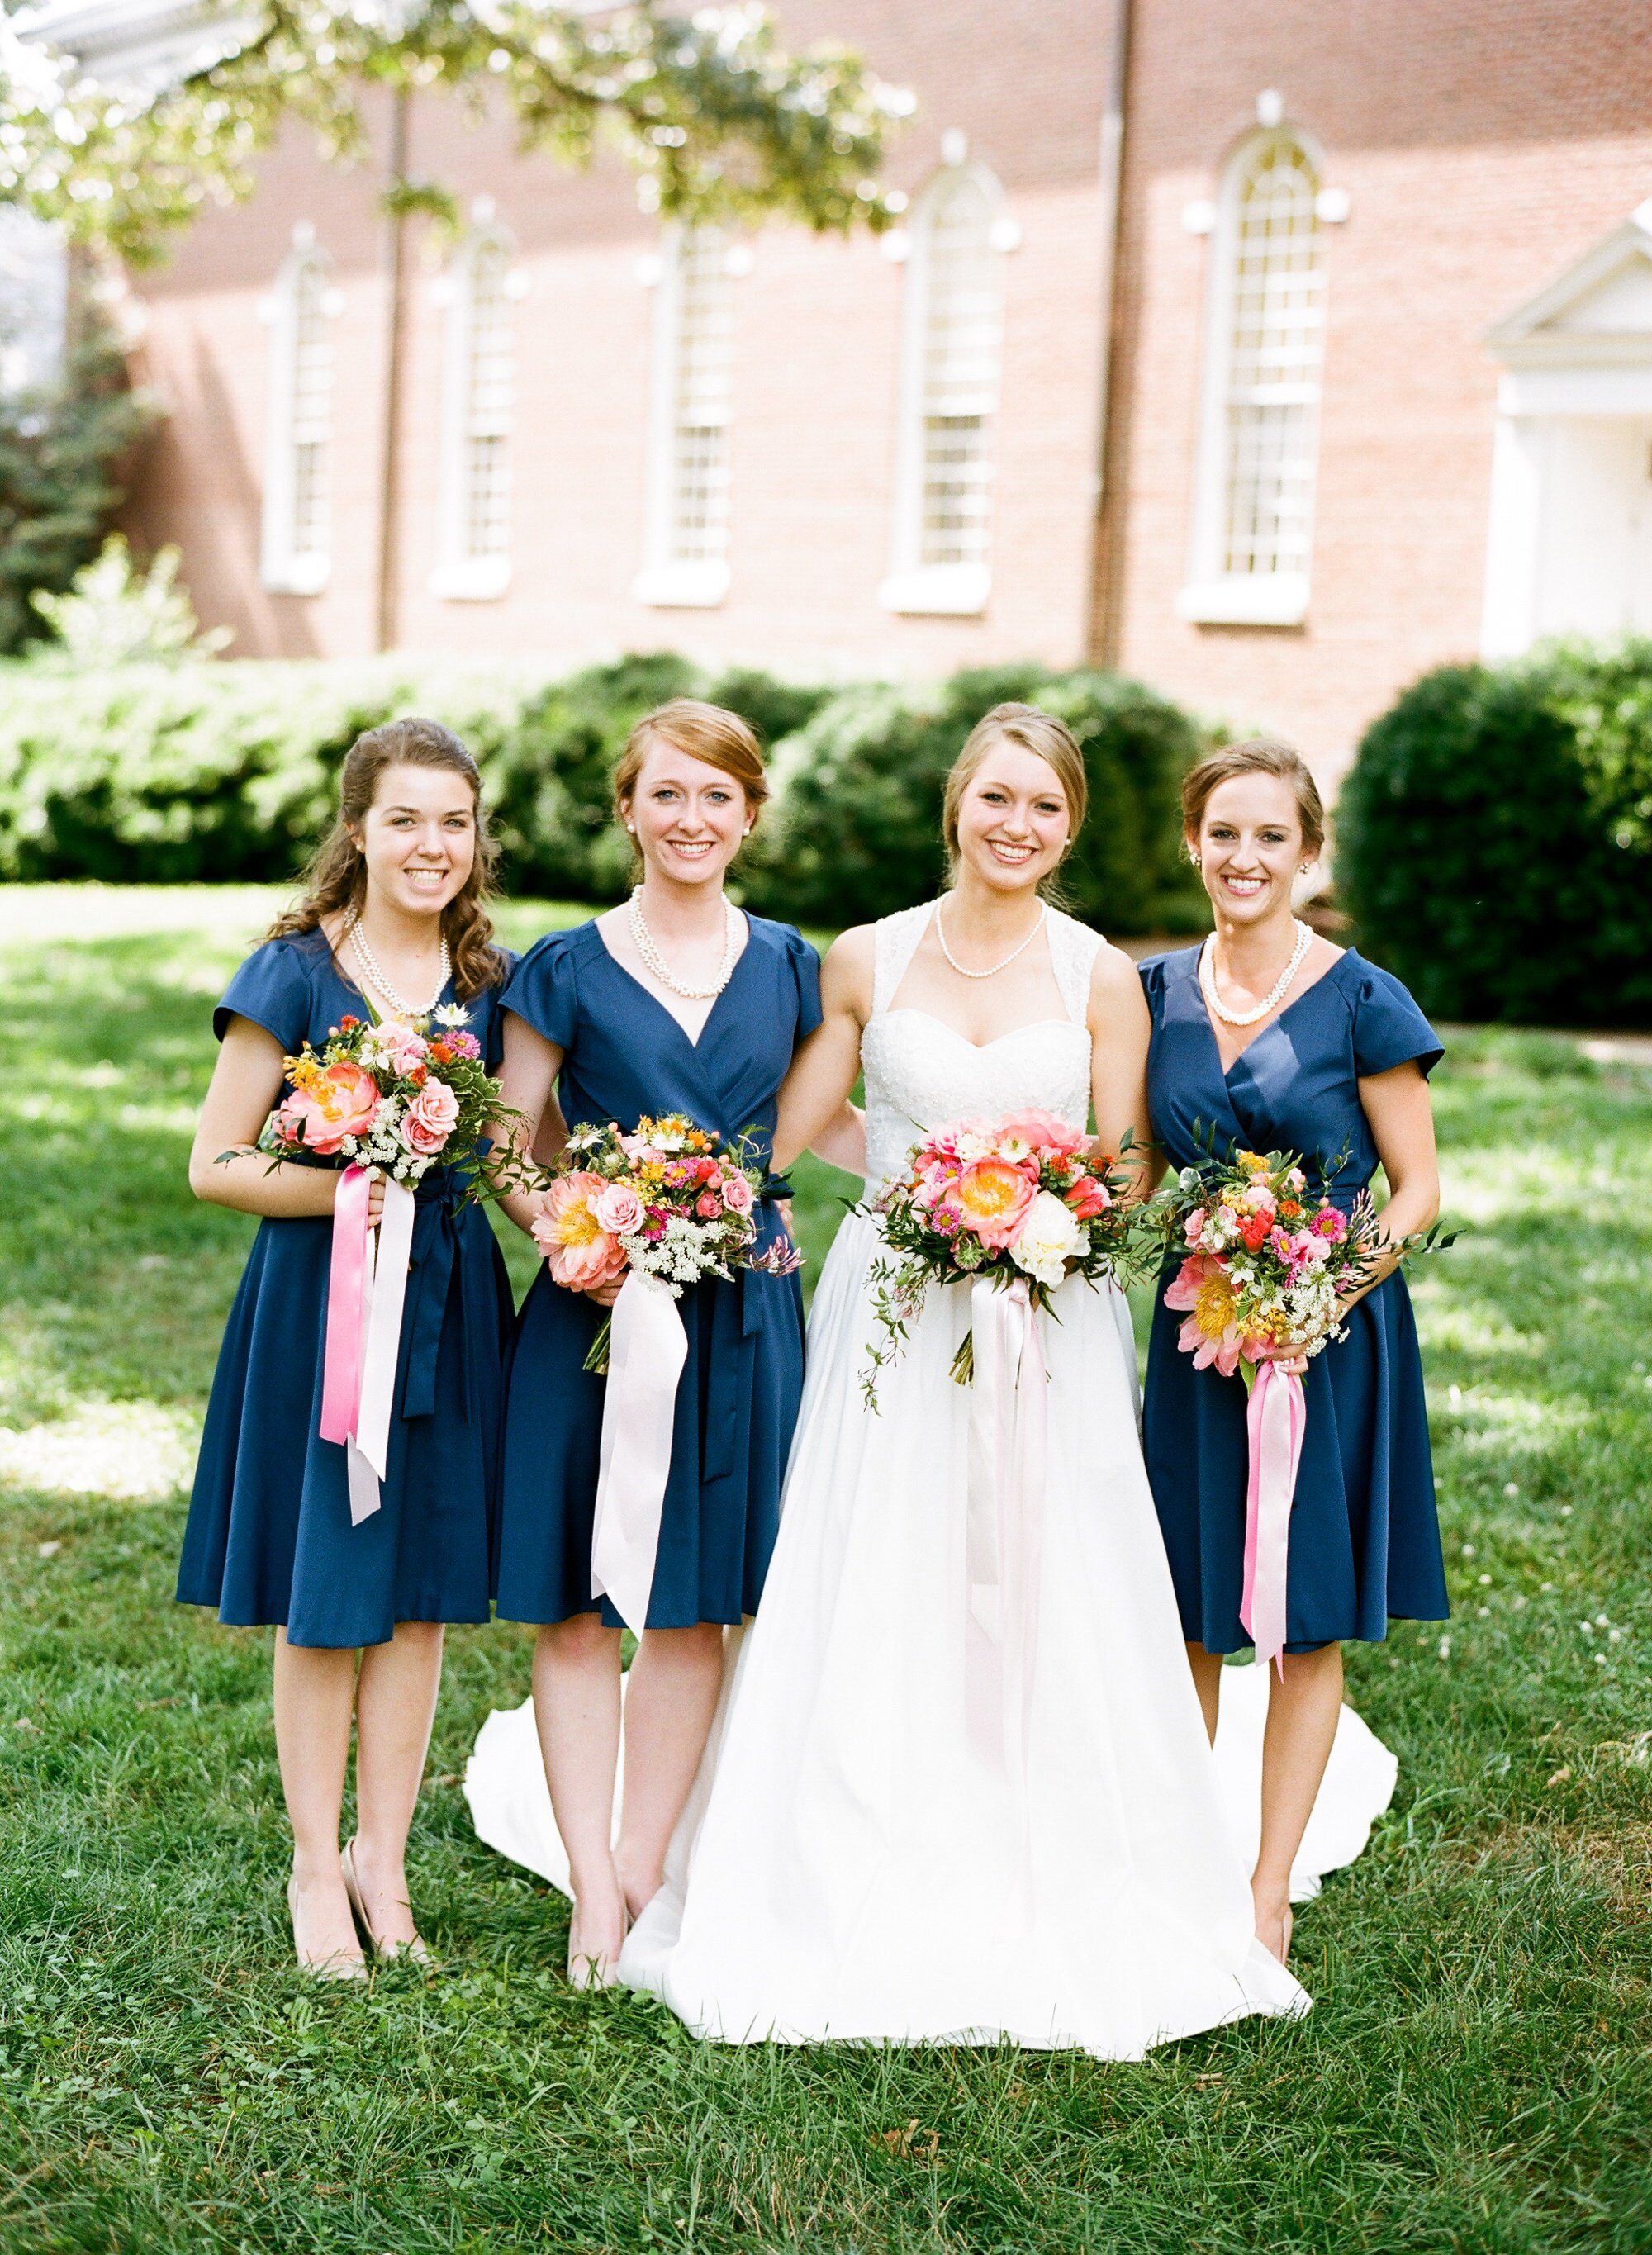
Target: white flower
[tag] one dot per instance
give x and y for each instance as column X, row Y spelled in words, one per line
column 1050, row 1238
column 452, row 1014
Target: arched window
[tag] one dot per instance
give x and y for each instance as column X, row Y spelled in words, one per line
column 473, row 554
column 1259, row 437
column 688, row 482
column 953, row 349
column 297, row 515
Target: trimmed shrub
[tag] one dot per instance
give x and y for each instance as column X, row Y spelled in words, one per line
column 1494, row 839
column 225, row 772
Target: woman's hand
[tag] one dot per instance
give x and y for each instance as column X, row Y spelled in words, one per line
column 375, row 1198
column 605, row 1295
column 1290, row 1365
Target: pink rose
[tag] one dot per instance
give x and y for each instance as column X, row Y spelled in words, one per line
column 578, row 1250
column 619, row 1211
column 1048, row 1135
column 738, row 1195
column 341, row 1102
column 708, row 1206
column 431, row 1119
column 1192, row 1225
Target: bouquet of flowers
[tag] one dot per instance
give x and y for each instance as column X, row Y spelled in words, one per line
column 389, row 1095
column 1020, row 1204
column 1266, row 1270
column 670, row 1200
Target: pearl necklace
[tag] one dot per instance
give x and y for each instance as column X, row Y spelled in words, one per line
column 1275, row 993
column 373, row 974
column 963, row 972
column 655, row 962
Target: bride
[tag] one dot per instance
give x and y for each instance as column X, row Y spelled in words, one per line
column 858, row 1863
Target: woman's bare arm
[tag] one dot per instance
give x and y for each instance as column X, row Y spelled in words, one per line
column 225, row 1166
column 528, row 1086
column 1120, row 1026
column 1397, row 1104
column 815, row 1096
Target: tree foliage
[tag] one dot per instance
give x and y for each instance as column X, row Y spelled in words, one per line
column 720, row 120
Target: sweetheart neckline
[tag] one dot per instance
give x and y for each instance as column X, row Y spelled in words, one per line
column 1032, row 1026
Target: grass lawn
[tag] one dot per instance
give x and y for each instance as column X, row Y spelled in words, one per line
column 1477, row 2074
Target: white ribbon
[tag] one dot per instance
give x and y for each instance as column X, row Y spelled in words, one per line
column 647, row 1348
column 1004, row 1524
column 366, row 1454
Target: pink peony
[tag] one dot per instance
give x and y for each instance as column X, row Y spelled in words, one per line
column 708, row 1206
column 1201, row 1287
column 340, row 1102
column 619, row 1211
column 1050, row 1136
column 431, row 1119
column 578, row 1250
column 738, row 1195
column 993, row 1198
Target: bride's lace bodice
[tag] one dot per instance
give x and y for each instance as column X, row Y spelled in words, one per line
column 921, row 1075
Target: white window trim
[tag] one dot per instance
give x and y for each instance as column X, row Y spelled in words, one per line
column 458, row 577
column 285, row 570
column 912, row 588
column 1212, row 597
column 668, row 583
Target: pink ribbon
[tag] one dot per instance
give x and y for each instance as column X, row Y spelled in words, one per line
column 1277, row 1418
column 367, row 1287
column 1004, row 1519
column 647, row 1349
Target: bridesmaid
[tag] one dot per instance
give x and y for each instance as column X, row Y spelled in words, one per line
column 393, row 922
column 676, row 1002
column 1278, row 1040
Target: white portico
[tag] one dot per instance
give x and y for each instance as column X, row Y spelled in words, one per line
column 1570, row 541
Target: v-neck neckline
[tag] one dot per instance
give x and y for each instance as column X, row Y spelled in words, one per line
column 1209, row 1024
column 354, row 987
column 665, row 1011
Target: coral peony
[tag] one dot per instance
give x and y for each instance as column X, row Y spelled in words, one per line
column 1201, row 1287
column 336, row 1102
column 579, row 1252
column 993, row 1196
column 1046, row 1133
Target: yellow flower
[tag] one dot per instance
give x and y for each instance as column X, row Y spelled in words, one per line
column 1252, row 1164
column 1214, row 1306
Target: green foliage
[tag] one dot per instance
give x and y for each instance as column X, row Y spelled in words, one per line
column 1494, row 838
column 120, row 613
column 719, row 120
column 1475, row 2075
column 159, row 774
column 62, row 449
column 858, row 826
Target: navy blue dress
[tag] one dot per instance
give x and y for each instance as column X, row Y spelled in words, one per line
column 268, row 1538
column 625, row 1055
column 1365, row 1539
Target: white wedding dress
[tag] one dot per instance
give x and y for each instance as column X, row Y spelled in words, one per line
column 852, row 1863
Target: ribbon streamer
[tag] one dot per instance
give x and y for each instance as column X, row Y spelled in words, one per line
column 647, row 1349
column 1004, row 1518
column 367, row 1287
column 1277, row 1418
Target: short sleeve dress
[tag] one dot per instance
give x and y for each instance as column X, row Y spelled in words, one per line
column 625, row 1055
column 268, row 1538
column 1365, row 1540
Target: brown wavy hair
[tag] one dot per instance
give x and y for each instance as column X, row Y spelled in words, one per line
column 335, row 880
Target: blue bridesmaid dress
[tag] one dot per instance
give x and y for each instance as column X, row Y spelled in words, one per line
column 268, row 1538
column 624, row 1056
column 1365, row 1540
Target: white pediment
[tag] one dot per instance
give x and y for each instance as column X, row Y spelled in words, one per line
column 1598, row 311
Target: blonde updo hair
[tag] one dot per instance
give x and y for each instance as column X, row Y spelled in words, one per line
column 1035, row 730
column 705, row 732
column 1266, row 756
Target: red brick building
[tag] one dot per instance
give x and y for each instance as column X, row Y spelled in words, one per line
column 1268, row 349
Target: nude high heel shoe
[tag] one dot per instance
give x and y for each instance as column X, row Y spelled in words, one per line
column 382, row 1951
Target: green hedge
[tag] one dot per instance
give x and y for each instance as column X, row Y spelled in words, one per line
column 1494, row 839
column 225, row 772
